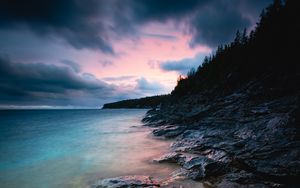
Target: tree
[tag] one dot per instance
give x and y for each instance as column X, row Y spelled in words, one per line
column 237, row 39
column 191, row 73
column 179, row 78
column 244, row 39
column 275, row 7
column 219, row 49
column 251, row 36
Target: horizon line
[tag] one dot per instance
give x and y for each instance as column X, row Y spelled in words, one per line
column 48, row 107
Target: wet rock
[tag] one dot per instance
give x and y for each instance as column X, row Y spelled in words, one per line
column 260, row 110
column 182, row 183
column 202, row 167
column 218, row 155
column 171, row 158
column 127, row 182
column 241, row 177
column 180, row 173
column 256, row 138
column 169, row 131
column 229, row 184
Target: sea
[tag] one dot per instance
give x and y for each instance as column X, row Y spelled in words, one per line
column 76, row 148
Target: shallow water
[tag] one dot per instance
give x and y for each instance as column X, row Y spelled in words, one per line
column 74, row 148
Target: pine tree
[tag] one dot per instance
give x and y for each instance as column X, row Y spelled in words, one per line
column 244, row 39
column 191, row 73
column 237, row 39
column 251, row 36
column 219, row 49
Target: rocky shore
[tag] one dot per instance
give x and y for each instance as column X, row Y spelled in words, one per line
column 238, row 140
column 233, row 141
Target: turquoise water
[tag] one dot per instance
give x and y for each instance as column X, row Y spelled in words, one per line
column 74, row 148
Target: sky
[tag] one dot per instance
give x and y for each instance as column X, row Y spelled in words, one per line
column 84, row 53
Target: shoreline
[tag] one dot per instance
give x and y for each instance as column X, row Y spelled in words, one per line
column 230, row 141
column 174, row 179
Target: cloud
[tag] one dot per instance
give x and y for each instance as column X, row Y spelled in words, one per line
column 157, row 10
column 184, row 65
column 72, row 20
column 135, row 87
column 209, row 22
column 106, row 63
column 75, row 66
column 118, row 78
column 153, row 64
column 95, row 25
column 48, row 84
column 149, row 87
column 160, row 36
column 217, row 24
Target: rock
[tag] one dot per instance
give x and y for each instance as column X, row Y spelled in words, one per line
column 229, row 184
column 203, row 167
column 169, row 131
column 127, row 182
column 197, row 162
column 180, row 173
column 171, row 158
column 183, row 183
column 218, row 155
column 260, row 110
column 241, row 177
column 256, row 138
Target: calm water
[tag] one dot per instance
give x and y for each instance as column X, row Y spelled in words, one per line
column 74, row 148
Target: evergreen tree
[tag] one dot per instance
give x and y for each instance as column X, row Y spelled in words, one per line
column 251, row 36
column 191, row 73
column 237, row 39
column 244, row 39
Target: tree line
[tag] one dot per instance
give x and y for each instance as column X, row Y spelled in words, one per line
column 271, row 48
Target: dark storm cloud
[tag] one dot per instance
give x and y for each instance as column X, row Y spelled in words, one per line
column 217, row 24
column 157, row 10
column 48, row 84
column 72, row 20
column 92, row 24
column 210, row 22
